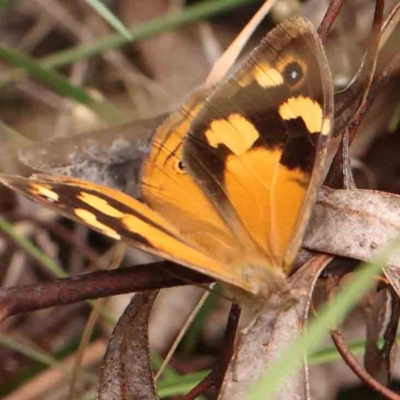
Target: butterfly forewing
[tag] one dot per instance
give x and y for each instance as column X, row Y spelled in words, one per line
column 169, row 189
column 257, row 144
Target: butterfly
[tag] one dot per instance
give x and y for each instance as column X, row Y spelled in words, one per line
column 230, row 179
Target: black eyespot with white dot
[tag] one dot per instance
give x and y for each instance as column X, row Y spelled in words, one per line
column 180, row 166
column 293, row 73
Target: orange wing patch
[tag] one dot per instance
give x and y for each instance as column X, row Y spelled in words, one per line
column 308, row 110
column 170, row 190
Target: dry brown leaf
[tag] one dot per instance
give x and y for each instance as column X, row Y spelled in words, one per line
column 269, row 336
column 393, row 276
column 126, row 372
column 354, row 224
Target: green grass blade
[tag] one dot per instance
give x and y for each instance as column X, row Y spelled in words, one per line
column 8, row 134
column 155, row 26
column 32, row 250
column 90, row 395
column 173, row 387
column 36, row 355
column 328, row 354
column 107, row 15
column 395, row 120
column 58, row 83
column 168, row 373
column 330, row 315
column 7, row 5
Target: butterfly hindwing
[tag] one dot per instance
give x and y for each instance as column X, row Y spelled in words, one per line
column 118, row 216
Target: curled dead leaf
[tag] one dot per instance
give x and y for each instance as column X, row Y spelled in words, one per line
column 126, row 372
column 270, row 334
column 354, row 224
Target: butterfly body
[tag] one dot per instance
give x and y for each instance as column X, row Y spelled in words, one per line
column 231, row 177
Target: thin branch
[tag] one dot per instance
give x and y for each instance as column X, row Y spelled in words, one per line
column 368, row 68
column 206, row 384
column 95, row 285
column 332, row 283
column 389, row 335
column 329, row 18
column 354, row 365
column 350, row 103
column 228, row 346
column 216, row 376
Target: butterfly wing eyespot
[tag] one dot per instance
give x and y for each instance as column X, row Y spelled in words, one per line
column 293, row 73
column 295, row 70
column 180, row 167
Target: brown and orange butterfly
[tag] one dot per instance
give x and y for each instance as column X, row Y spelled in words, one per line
column 231, row 177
